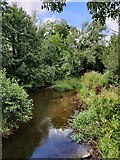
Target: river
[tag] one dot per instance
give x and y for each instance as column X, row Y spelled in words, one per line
column 47, row 134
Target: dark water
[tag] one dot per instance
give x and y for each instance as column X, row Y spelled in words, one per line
column 45, row 136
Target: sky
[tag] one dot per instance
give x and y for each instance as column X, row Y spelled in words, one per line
column 75, row 12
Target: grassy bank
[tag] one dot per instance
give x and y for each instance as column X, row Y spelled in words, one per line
column 98, row 125
column 67, row 84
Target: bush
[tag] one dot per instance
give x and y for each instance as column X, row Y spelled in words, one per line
column 67, row 84
column 99, row 124
column 93, row 79
column 16, row 107
column 90, row 81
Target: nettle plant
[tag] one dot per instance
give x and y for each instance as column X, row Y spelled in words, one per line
column 16, row 105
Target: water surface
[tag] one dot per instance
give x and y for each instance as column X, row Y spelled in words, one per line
column 47, row 134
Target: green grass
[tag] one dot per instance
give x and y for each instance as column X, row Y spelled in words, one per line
column 67, row 84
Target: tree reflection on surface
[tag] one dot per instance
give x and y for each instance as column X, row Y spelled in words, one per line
column 44, row 136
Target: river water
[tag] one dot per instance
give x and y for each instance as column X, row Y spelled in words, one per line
column 47, row 134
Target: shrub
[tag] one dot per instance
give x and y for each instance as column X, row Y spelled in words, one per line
column 100, row 122
column 93, row 79
column 67, row 84
column 16, row 107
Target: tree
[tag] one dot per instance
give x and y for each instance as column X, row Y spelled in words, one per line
column 102, row 10
column 52, row 49
column 54, row 5
column 84, row 49
column 21, row 44
column 110, row 57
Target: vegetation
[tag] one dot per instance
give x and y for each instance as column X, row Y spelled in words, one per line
column 54, row 6
column 21, row 56
column 67, row 84
column 65, row 57
column 16, row 107
column 103, row 10
column 58, row 51
column 102, row 115
column 111, row 60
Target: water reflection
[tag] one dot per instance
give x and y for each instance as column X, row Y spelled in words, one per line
column 58, row 145
column 44, row 136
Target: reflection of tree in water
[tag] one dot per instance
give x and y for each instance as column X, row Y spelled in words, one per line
column 60, row 111
column 29, row 135
column 23, row 143
column 50, row 107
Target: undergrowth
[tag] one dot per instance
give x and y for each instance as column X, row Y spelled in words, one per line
column 16, row 105
column 67, row 84
column 100, row 122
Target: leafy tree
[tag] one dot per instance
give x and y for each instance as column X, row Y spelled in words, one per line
column 54, row 5
column 110, row 57
column 102, row 10
column 59, row 26
column 21, row 44
column 84, row 49
column 39, row 56
column 51, row 50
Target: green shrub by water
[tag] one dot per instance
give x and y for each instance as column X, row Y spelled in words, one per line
column 92, row 79
column 67, row 84
column 16, row 107
column 99, row 124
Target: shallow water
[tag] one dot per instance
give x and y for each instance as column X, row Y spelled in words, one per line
column 47, row 134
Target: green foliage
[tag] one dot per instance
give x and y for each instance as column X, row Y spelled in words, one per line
column 83, row 49
column 102, row 10
column 110, row 58
column 100, row 122
column 54, row 6
column 16, row 107
column 52, row 57
column 109, row 144
column 67, row 84
column 93, row 79
column 20, row 45
column 40, row 56
column 62, row 86
column 52, row 54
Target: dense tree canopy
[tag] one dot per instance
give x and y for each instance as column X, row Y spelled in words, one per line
column 20, row 55
column 53, row 51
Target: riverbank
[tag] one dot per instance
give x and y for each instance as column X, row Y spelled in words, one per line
column 97, row 125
